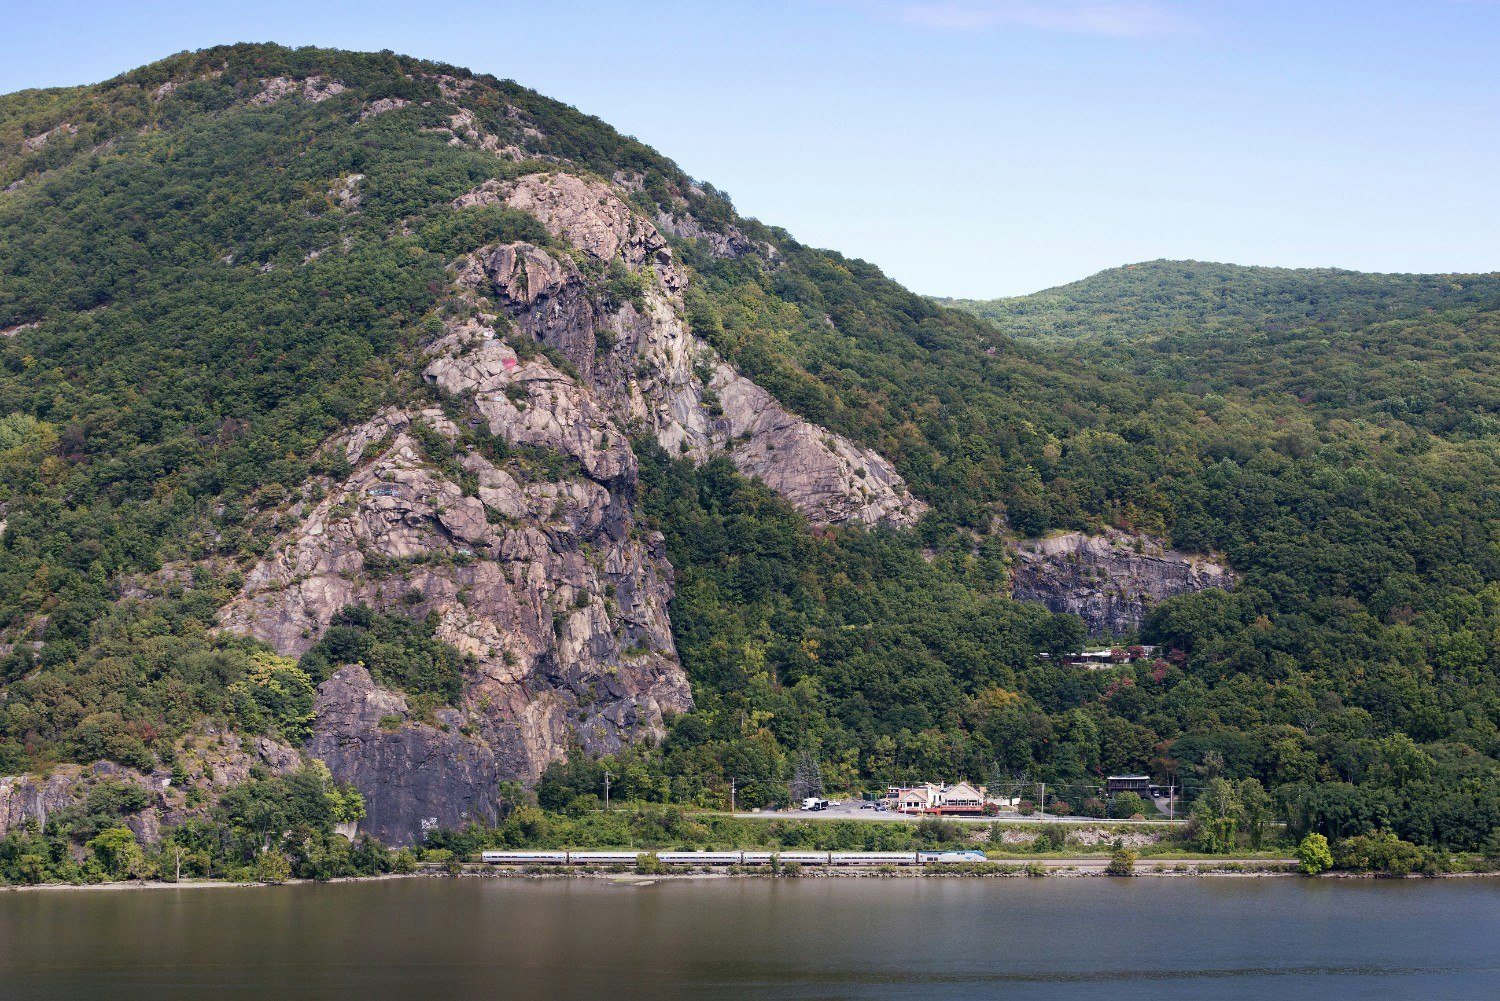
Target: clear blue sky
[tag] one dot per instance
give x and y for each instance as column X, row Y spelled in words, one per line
column 968, row 147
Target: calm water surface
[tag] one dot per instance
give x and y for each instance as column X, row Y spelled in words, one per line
column 752, row 938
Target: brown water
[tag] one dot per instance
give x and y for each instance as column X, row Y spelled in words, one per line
column 1158, row 938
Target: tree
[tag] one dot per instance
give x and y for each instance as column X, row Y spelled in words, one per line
column 118, row 853
column 1378, row 851
column 347, row 803
column 1216, row 816
column 1121, row 863
column 1313, row 854
column 1127, row 804
column 272, row 867
column 807, row 780
column 1255, row 807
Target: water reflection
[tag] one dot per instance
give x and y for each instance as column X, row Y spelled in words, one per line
column 812, row 938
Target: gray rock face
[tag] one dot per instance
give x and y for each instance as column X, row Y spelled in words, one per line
column 546, row 585
column 657, row 373
column 545, row 296
column 729, row 243
column 313, row 89
column 414, row 777
column 1109, row 581
column 212, row 761
column 535, row 570
column 33, row 143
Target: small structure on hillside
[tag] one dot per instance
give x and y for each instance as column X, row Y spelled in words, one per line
column 1096, row 660
column 1138, row 784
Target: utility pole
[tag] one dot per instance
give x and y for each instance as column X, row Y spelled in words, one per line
column 1043, row 809
column 607, row 777
column 1172, row 800
column 731, row 794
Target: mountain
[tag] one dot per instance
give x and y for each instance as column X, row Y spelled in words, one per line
column 363, row 411
column 1155, row 298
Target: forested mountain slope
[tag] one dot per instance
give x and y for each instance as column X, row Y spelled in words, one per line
column 360, row 408
column 1422, row 349
column 1164, row 297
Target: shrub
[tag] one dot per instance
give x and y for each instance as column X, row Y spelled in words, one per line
column 1121, row 863
column 1050, row 838
column 1378, row 851
column 272, row 867
column 1313, row 855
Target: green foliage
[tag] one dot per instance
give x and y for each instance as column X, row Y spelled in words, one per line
column 1199, row 297
column 400, row 652
column 1378, row 851
column 1216, row 817
column 275, row 695
column 118, row 854
column 1314, row 855
column 1121, row 863
column 272, row 867
column 207, row 313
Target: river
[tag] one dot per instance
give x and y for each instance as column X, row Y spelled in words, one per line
column 1157, row 938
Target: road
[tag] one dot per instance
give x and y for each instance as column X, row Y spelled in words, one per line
column 850, row 810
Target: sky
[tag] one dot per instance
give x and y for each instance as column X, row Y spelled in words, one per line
column 972, row 148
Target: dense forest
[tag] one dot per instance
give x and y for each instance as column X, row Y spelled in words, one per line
column 178, row 342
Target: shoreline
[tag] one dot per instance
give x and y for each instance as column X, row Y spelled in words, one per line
column 1059, row 868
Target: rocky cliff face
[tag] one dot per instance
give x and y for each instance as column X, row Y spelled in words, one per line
column 1110, row 580
column 212, row 761
column 415, row 776
column 507, row 514
column 643, row 364
column 545, row 583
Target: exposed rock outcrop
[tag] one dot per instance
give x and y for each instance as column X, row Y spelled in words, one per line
column 33, row 143
column 530, row 565
column 313, row 89
column 544, row 582
column 211, row 761
column 727, row 243
column 415, row 777
column 655, row 371
column 380, row 106
column 1111, row 580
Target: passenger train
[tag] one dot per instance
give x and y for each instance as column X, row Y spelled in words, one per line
column 732, row 858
